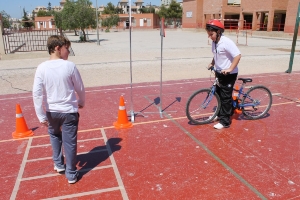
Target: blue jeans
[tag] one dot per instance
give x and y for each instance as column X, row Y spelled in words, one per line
column 63, row 131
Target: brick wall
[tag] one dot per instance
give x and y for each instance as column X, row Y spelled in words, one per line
column 290, row 20
column 192, row 13
column 256, row 8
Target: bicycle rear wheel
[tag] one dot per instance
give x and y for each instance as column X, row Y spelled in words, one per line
column 261, row 97
column 203, row 106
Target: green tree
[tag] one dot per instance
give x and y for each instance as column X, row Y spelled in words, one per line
column 49, row 7
column 163, row 12
column 58, row 21
column 33, row 15
column 43, row 13
column 76, row 15
column 147, row 10
column 110, row 9
column 67, row 17
column 174, row 10
column 5, row 19
column 85, row 16
column 26, row 21
column 110, row 21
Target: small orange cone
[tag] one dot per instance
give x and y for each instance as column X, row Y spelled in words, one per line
column 235, row 94
column 122, row 116
column 21, row 126
column 235, row 98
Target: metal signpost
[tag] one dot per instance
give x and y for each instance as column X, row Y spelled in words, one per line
column 162, row 35
column 289, row 70
column 132, row 113
column 98, row 42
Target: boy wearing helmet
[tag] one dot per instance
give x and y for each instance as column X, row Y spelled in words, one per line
column 226, row 59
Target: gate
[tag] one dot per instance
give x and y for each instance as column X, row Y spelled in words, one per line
column 28, row 40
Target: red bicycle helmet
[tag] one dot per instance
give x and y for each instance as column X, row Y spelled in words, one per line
column 214, row 24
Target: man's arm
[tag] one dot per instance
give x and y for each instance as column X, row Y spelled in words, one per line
column 37, row 93
column 233, row 65
column 79, row 88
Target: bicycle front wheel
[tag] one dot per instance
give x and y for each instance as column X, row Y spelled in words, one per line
column 259, row 99
column 203, row 106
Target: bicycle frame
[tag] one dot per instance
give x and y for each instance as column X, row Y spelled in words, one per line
column 235, row 104
column 242, row 94
column 210, row 95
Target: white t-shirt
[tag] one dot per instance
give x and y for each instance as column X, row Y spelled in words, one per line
column 224, row 52
column 55, row 83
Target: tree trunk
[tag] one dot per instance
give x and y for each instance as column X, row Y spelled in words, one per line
column 75, row 32
column 84, row 35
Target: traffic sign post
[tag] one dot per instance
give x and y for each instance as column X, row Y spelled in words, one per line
column 289, row 70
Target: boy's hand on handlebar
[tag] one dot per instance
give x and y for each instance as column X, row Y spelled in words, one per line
column 225, row 71
column 210, row 66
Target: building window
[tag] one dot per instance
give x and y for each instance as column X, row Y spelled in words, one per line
column 133, row 22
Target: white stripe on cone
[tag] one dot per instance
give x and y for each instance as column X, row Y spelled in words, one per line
column 121, row 107
column 19, row 115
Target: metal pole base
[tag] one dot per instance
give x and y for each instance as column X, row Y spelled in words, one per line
column 133, row 114
column 160, row 112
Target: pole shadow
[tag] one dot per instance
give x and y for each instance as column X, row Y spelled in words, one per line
column 96, row 156
column 156, row 101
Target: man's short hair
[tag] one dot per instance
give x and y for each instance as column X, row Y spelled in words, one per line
column 57, row 40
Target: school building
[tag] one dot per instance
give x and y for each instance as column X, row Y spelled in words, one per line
column 44, row 23
column 266, row 15
column 138, row 21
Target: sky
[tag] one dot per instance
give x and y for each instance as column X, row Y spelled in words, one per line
column 15, row 7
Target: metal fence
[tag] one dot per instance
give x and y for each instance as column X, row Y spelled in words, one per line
column 27, row 40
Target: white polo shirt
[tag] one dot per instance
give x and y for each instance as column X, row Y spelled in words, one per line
column 224, row 52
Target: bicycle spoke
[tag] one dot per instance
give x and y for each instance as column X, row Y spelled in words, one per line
column 259, row 100
column 201, row 107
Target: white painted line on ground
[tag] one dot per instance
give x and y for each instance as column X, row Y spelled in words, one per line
column 120, row 88
column 58, row 174
column 21, row 171
column 15, row 98
column 84, row 193
column 46, row 158
column 114, row 164
column 46, row 145
column 144, row 86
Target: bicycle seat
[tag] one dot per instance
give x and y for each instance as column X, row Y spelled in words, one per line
column 245, row 80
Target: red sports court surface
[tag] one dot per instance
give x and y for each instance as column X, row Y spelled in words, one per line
column 160, row 158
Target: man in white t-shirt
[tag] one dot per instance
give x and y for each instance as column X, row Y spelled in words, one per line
column 226, row 59
column 56, row 83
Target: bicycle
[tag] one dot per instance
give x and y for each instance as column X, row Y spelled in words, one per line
column 203, row 105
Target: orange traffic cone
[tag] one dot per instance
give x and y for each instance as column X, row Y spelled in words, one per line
column 122, row 116
column 21, row 126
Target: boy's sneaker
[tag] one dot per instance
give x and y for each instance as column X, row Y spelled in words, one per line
column 220, row 126
column 59, row 169
column 75, row 180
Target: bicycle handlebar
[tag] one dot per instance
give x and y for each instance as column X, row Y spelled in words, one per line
column 217, row 71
